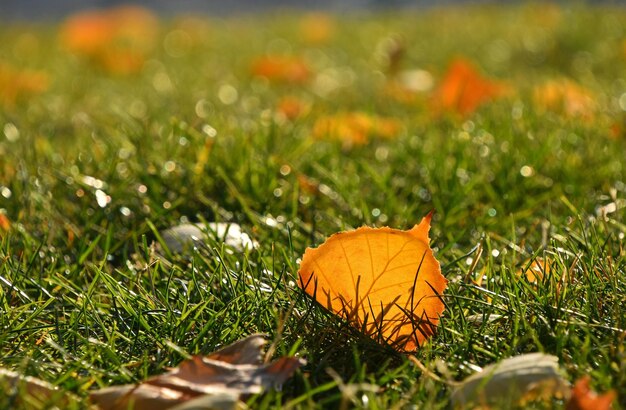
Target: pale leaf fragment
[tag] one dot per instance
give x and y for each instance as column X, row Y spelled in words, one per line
column 182, row 237
column 32, row 392
column 512, row 380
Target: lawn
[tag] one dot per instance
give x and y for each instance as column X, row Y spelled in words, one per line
column 296, row 127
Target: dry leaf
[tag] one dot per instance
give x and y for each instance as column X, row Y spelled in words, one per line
column 511, row 380
column 281, row 69
column 225, row 375
column 355, row 128
column 583, row 398
column 464, row 89
column 385, row 282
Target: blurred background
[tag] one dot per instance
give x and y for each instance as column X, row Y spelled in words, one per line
column 50, row 10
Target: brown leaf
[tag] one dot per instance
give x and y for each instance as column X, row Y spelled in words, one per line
column 583, row 398
column 233, row 371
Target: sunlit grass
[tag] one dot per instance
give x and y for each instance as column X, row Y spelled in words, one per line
column 93, row 166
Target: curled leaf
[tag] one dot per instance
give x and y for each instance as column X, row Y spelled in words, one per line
column 385, row 282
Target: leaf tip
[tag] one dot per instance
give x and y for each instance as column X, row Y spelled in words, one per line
column 421, row 230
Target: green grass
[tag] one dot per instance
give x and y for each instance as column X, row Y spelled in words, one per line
column 85, row 302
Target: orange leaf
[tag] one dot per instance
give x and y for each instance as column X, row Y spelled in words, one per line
column 292, row 107
column 536, row 271
column 583, row 398
column 464, row 89
column 116, row 39
column 16, row 84
column 5, row 224
column 281, row 69
column 385, row 282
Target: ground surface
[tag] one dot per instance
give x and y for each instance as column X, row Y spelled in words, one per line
column 97, row 156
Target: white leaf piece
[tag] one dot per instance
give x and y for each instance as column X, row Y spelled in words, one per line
column 182, row 237
column 512, row 379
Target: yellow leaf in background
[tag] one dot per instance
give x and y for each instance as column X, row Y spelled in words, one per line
column 317, row 28
column 17, row 84
column 535, row 271
column 567, row 98
column 463, row 89
column 385, row 282
column 355, row 128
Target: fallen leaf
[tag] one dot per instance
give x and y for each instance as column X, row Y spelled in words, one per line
column 385, row 282
column 535, row 271
column 181, row 237
column 355, row 128
column 292, row 107
column 511, row 380
column 223, row 376
column 5, row 223
column 17, row 84
column 117, row 39
column 583, row 398
column 287, row 69
column 463, row 89
column 565, row 97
